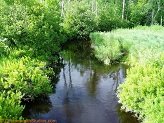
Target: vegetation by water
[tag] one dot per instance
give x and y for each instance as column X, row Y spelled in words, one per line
column 29, row 38
column 33, row 32
column 143, row 49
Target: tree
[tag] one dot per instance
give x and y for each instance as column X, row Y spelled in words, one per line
column 123, row 9
column 62, row 4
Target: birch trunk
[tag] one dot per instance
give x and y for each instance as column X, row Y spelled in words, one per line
column 62, row 12
column 123, row 9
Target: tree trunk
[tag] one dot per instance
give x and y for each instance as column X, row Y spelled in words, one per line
column 123, row 9
column 161, row 20
column 93, row 6
column 62, row 12
column 152, row 17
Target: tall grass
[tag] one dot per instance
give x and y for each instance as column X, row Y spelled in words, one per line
column 138, row 44
column 107, row 49
column 143, row 49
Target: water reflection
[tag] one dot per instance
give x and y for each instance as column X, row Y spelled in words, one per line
column 85, row 91
column 92, row 83
column 39, row 106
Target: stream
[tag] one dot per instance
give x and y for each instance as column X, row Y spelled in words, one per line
column 84, row 91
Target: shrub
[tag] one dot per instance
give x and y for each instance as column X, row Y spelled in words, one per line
column 25, row 75
column 29, row 32
column 33, row 24
column 143, row 90
column 109, row 17
column 78, row 20
column 10, row 107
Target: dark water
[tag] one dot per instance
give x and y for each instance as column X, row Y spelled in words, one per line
column 84, row 92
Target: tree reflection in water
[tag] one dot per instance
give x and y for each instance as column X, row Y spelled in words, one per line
column 34, row 108
column 85, row 91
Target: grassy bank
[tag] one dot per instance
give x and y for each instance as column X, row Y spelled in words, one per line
column 143, row 49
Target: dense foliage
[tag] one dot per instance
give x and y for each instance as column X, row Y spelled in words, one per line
column 85, row 16
column 143, row 49
column 78, row 20
column 29, row 36
column 143, row 91
column 25, row 75
column 10, row 105
column 4, row 49
column 33, row 25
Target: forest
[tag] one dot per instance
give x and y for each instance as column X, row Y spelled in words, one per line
column 34, row 32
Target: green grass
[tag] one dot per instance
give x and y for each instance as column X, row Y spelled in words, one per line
column 138, row 44
column 143, row 49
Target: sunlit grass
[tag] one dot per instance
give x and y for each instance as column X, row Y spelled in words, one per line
column 139, row 44
column 143, row 49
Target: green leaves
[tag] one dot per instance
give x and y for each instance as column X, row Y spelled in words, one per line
column 29, row 30
column 34, row 24
column 78, row 20
column 25, row 75
column 109, row 17
column 21, row 78
column 10, row 107
column 144, row 89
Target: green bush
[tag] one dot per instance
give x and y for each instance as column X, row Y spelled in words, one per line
column 29, row 32
column 143, row 90
column 109, row 17
column 10, row 107
column 78, row 20
column 25, row 75
column 32, row 24
column 139, row 13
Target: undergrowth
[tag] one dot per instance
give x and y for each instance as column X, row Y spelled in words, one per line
column 22, row 77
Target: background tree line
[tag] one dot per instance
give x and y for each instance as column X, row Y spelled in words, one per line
column 80, row 17
column 68, row 19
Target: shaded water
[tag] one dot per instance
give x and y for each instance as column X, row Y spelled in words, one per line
column 85, row 91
